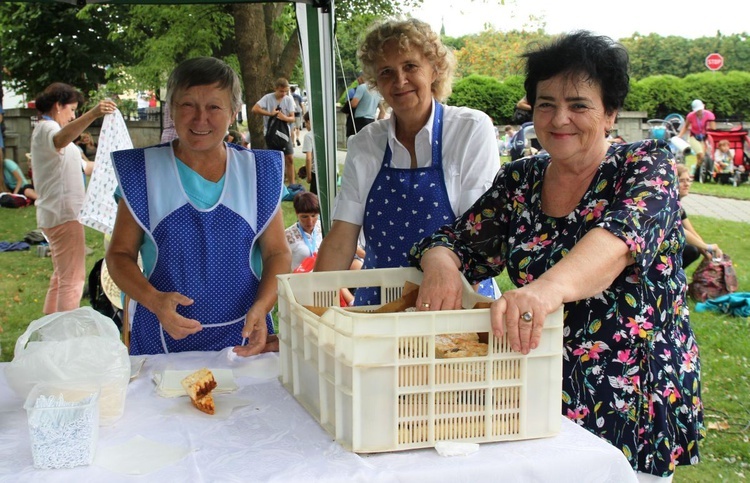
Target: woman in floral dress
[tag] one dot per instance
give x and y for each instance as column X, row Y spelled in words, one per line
column 595, row 227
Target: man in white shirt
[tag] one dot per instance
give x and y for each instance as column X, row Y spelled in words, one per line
column 279, row 104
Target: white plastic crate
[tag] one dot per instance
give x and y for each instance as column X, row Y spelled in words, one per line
column 374, row 383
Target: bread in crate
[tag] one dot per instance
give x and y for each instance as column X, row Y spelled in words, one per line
column 449, row 346
column 394, row 381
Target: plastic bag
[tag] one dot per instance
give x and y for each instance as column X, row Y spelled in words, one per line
column 78, row 347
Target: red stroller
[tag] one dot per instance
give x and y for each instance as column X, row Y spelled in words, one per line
column 740, row 143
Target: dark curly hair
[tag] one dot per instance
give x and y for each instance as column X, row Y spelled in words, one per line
column 595, row 58
column 57, row 92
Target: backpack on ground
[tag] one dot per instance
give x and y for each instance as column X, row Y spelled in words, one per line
column 277, row 134
column 713, row 279
column 34, row 237
column 291, row 191
column 98, row 298
column 9, row 200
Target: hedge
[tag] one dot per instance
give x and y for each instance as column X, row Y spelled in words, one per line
column 725, row 94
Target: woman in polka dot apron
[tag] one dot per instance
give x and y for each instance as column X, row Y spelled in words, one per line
column 195, row 209
column 418, row 170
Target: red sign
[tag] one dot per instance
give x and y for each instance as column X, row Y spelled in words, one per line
column 714, row 61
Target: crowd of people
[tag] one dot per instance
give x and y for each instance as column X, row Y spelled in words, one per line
column 582, row 223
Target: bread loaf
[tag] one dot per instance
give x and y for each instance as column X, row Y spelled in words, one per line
column 448, row 346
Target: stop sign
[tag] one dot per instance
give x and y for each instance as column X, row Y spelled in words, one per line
column 714, row 61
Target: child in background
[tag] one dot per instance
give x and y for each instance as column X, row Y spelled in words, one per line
column 307, row 148
column 723, row 158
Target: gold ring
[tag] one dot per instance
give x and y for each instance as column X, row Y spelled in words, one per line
column 425, row 305
column 527, row 317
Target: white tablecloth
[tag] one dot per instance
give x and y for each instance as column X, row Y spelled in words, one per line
column 274, row 439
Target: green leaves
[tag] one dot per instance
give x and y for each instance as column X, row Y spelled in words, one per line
column 487, row 94
column 58, row 42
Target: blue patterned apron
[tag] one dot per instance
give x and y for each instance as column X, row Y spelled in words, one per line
column 403, row 206
column 203, row 254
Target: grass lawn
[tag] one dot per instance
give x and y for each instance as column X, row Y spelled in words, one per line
column 724, row 340
column 741, row 192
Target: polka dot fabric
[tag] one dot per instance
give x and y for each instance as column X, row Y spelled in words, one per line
column 403, row 206
column 205, row 254
column 131, row 174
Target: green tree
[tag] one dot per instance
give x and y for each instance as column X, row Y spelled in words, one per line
column 165, row 35
column 494, row 53
column 656, row 55
column 349, row 34
column 42, row 44
column 267, row 48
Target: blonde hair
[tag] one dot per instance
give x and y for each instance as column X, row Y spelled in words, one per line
column 410, row 34
column 722, row 143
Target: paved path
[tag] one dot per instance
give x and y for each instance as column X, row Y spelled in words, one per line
column 722, row 208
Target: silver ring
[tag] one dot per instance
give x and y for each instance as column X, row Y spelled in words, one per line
column 426, row 305
column 527, row 317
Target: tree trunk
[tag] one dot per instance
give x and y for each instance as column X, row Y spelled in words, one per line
column 255, row 64
column 263, row 57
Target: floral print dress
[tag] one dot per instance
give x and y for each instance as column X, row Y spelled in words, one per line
column 631, row 370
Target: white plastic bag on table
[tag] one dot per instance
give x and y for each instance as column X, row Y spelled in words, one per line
column 80, row 346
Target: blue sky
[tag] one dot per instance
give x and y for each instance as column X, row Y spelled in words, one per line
column 616, row 19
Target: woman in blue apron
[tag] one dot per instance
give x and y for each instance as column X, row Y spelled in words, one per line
column 195, row 209
column 408, row 175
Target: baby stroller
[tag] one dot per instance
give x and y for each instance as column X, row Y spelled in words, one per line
column 524, row 142
column 739, row 143
column 666, row 130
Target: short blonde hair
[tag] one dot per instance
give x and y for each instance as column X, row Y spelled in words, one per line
column 723, row 142
column 410, row 34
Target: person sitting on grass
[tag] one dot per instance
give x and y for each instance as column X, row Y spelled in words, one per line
column 15, row 181
column 694, row 244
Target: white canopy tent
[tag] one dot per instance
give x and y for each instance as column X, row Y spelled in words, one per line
column 316, row 27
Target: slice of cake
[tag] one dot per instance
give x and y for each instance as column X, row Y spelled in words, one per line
column 198, row 386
